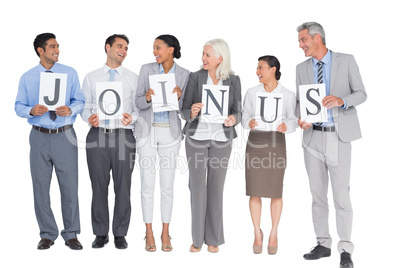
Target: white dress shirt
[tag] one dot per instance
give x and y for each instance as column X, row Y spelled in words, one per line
column 210, row 131
column 289, row 106
column 129, row 81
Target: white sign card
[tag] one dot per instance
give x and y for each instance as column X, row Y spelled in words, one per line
column 164, row 99
column 268, row 110
column 52, row 90
column 311, row 108
column 216, row 101
column 109, row 96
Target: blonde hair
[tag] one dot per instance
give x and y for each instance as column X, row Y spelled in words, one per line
column 221, row 48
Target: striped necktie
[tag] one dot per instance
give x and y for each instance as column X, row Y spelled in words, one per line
column 52, row 114
column 320, row 78
column 320, row 75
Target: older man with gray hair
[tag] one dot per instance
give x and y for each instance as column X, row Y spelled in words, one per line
column 327, row 145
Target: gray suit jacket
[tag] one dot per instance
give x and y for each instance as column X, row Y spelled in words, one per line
column 144, row 123
column 346, row 83
column 194, row 95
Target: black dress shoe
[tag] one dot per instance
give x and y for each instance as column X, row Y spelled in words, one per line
column 346, row 260
column 73, row 243
column 45, row 243
column 120, row 242
column 318, row 252
column 100, row 241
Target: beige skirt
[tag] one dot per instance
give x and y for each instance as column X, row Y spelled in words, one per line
column 265, row 164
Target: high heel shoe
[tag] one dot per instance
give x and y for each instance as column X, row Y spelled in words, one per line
column 167, row 248
column 258, row 249
column 273, row 250
column 194, row 249
column 149, row 248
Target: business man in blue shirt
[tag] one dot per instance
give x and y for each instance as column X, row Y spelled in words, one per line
column 53, row 143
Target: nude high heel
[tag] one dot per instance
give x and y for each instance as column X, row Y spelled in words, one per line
column 273, row 250
column 258, row 249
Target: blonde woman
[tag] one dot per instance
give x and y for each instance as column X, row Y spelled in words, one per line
column 208, row 145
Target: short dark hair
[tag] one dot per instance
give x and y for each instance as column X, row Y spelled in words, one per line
column 171, row 41
column 111, row 39
column 272, row 61
column 41, row 41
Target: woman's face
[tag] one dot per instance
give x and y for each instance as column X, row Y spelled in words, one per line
column 209, row 61
column 264, row 72
column 162, row 52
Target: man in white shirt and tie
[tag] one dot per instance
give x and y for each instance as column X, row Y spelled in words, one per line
column 111, row 144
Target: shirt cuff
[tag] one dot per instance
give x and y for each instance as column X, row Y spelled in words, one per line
column 345, row 105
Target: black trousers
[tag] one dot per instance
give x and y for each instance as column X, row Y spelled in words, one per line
column 110, row 152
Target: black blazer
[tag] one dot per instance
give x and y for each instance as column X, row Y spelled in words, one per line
column 193, row 95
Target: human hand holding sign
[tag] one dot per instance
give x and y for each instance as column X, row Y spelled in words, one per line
column 178, row 90
column 127, row 118
column 148, row 94
column 195, row 109
column 63, row 111
column 332, row 101
column 38, row 110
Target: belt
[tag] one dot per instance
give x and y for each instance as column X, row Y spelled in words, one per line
column 161, row 124
column 113, row 130
column 52, row 131
column 324, row 129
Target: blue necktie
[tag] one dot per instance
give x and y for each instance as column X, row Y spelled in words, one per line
column 52, row 114
column 112, row 73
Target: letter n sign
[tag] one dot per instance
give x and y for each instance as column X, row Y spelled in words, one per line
column 311, row 108
column 109, row 96
column 52, row 90
column 216, row 102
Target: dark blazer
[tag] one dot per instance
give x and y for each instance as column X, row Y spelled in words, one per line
column 193, row 95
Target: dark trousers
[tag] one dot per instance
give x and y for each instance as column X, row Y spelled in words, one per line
column 110, row 152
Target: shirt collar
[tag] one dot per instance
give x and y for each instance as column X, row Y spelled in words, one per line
column 326, row 59
column 162, row 71
column 118, row 69
column 43, row 69
column 278, row 88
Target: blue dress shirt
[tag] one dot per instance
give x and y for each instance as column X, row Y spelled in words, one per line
column 327, row 67
column 28, row 97
column 163, row 117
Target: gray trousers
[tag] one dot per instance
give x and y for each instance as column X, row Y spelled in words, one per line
column 110, row 152
column 58, row 151
column 325, row 154
column 207, row 162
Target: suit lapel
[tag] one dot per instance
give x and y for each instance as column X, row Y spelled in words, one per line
column 155, row 68
column 334, row 69
column 179, row 76
column 310, row 73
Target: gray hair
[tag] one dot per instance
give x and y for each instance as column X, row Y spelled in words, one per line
column 221, row 48
column 313, row 28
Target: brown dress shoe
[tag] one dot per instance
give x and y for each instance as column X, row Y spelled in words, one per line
column 45, row 243
column 73, row 243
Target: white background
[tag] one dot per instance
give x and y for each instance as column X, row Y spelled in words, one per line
column 370, row 30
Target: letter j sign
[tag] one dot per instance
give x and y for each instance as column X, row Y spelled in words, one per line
column 52, row 90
